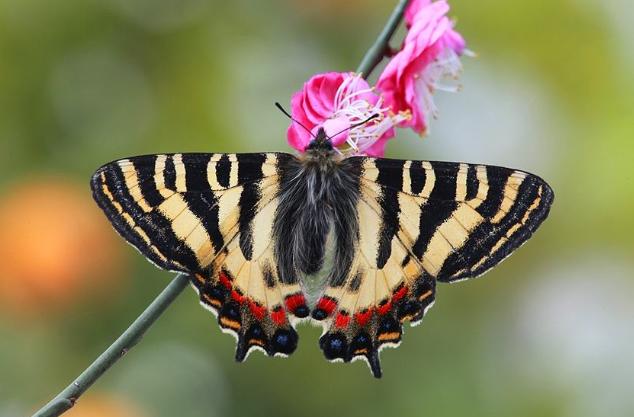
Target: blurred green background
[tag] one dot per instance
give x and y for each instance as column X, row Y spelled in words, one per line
column 83, row 82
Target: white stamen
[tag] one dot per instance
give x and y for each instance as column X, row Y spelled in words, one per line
column 351, row 105
column 446, row 67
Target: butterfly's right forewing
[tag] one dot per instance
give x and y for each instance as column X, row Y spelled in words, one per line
column 460, row 219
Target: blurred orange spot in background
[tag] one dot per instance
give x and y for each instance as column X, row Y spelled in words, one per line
column 55, row 246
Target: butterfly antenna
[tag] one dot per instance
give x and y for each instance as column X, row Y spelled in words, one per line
column 374, row 116
column 279, row 106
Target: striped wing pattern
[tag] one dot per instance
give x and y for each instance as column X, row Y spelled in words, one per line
column 459, row 219
column 210, row 216
column 421, row 222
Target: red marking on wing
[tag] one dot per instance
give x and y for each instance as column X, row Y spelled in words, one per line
column 278, row 315
column 224, row 280
column 363, row 317
column 327, row 304
column 294, row 301
column 385, row 308
column 258, row 311
column 237, row 297
column 400, row 293
column 342, row 320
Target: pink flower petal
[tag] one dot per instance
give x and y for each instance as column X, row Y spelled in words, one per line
column 327, row 90
column 336, row 101
column 377, row 150
column 403, row 83
column 297, row 106
column 412, row 9
column 314, row 107
column 297, row 137
column 337, row 130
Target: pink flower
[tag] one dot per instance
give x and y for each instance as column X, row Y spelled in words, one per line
column 430, row 53
column 335, row 101
column 412, row 10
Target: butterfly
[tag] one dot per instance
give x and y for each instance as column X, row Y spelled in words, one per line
column 354, row 244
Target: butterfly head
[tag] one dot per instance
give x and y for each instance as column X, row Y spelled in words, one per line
column 321, row 143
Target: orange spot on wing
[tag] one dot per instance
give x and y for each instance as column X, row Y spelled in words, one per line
column 232, row 324
column 386, row 337
column 425, row 295
column 212, row 301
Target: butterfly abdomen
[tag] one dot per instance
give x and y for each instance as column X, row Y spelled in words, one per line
column 317, row 196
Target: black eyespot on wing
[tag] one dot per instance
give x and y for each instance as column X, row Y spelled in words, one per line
column 284, row 341
column 334, row 346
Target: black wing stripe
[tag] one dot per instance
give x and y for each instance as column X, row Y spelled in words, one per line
column 249, row 173
column 388, row 173
column 123, row 222
column 438, row 208
column 461, row 219
column 496, row 179
column 519, row 233
column 205, row 207
column 446, row 181
column 147, row 184
column 196, row 172
column 489, row 243
column 389, row 211
column 223, row 171
column 417, row 177
column 149, row 223
column 401, row 237
column 472, row 183
column 250, row 167
column 248, row 202
column 170, row 173
column 164, row 204
column 482, row 238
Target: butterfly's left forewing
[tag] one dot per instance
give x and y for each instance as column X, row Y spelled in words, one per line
column 210, row 216
column 422, row 222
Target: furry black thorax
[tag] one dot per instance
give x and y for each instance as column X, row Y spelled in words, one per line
column 318, row 196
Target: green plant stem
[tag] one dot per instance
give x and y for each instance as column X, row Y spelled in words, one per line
column 67, row 398
column 381, row 45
